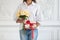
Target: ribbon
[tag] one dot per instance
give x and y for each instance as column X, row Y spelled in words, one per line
column 31, row 27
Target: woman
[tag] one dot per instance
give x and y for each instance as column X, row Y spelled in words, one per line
column 35, row 12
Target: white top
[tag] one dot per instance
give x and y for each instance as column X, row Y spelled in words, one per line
column 34, row 9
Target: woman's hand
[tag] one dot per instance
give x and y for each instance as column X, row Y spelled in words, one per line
column 37, row 24
column 19, row 21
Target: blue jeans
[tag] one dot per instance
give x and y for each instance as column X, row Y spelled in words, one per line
column 27, row 34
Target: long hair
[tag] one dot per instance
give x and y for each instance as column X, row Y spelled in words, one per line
column 32, row 0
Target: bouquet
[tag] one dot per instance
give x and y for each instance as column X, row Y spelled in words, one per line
column 22, row 14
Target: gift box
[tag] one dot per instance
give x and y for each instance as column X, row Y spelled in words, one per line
column 30, row 24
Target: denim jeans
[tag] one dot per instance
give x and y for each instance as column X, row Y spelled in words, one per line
column 27, row 34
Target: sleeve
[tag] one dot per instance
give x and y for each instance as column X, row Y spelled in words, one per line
column 16, row 14
column 38, row 14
